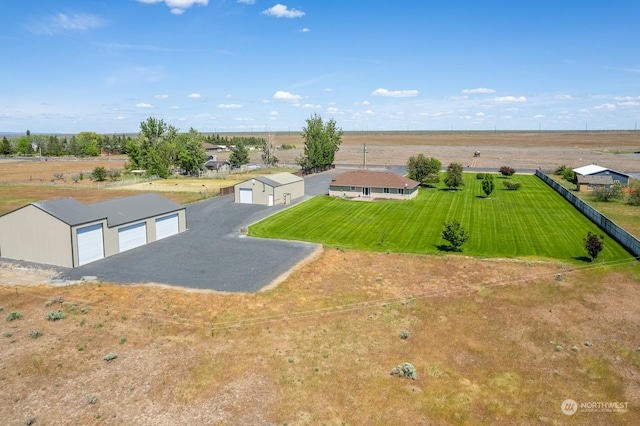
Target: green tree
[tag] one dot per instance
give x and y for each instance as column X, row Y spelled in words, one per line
column 455, row 235
column 155, row 150
column 511, row 184
column 453, row 177
column 268, row 148
column 321, row 142
column 24, row 146
column 191, row 153
column 239, row 156
column 89, row 144
column 6, row 148
column 634, row 196
column 99, row 174
column 424, row 170
column 487, row 184
column 54, row 146
column 610, row 193
column 593, row 244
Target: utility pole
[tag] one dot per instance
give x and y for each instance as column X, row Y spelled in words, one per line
column 365, row 156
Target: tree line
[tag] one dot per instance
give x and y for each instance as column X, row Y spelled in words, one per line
column 84, row 144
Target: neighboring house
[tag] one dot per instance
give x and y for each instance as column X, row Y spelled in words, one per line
column 278, row 188
column 592, row 182
column 369, row 184
column 217, row 165
column 65, row 232
column 595, row 170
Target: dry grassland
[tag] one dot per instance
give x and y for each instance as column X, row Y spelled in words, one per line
column 318, row 349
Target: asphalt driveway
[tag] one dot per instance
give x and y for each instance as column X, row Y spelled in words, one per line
column 211, row 254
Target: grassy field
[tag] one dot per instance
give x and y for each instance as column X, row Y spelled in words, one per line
column 533, row 222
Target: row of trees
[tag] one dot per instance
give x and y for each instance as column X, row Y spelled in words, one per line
column 84, row 144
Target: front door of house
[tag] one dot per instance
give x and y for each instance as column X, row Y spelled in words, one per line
column 366, row 192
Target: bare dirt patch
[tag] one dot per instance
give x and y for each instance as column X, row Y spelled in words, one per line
column 319, row 347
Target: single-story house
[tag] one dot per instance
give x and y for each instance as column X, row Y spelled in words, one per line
column 278, row 188
column 593, row 182
column 370, row 184
column 595, row 170
column 217, row 165
column 65, row 232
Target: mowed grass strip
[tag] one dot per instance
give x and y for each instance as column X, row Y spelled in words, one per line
column 533, row 222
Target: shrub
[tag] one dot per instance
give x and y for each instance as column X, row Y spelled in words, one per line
column 507, row 171
column 634, row 196
column 287, row 146
column 56, row 315
column 35, row 334
column 566, row 172
column 404, row 334
column 110, row 356
column 14, row 316
column 405, row 370
column 511, row 185
column 593, row 244
column 99, row 174
column 92, row 399
column 613, row 192
column 454, row 234
column 479, row 176
column 114, row 174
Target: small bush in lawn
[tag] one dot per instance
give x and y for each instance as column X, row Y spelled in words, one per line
column 404, row 334
column 479, row 176
column 14, row 316
column 511, row 185
column 56, row 315
column 405, row 370
column 507, row 171
column 110, row 356
column 34, row 334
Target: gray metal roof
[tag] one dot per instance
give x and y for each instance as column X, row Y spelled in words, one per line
column 70, row 211
column 130, row 209
column 279, row 179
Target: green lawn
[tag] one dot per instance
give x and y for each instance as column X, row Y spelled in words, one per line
column 533, row 222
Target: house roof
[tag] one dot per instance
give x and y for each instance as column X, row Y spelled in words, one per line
column 589, row 170
column 69, row 211
column 117, row 211
column 129, row 209
column 279, row 179
column 373, row 179
column 596, row 180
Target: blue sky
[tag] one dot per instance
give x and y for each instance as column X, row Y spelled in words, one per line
column 255, row 65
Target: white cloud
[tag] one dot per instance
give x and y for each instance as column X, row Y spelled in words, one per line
column 285, row 96
column 311, row 106
column 480, row 114
column 194, row 96
column 369, row 112
column 508, row 99
column 161, row 96
column 478, row 90
column 177, row 7
column 143, row 105
column 563, row 97
column 274, row 113
column 395, row 93
column 538, row 116
column 606, row 106
column 174, row 107
column 282, row 11
column 247, row 1
column 332, row 110
column 61, row 22
column 229, row 106
column 305, row 30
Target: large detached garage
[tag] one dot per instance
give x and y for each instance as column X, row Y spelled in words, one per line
column 67, row 233
column 278, row 188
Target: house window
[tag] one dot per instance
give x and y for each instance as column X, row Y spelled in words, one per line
column 401, row 191
column 385, row 190
column 352, row 188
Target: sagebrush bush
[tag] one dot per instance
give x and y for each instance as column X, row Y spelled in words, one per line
column 110, row 356
column 404, row 334
column 14, row 316
column 34, row 334
column 56, row 315
column 405, row 370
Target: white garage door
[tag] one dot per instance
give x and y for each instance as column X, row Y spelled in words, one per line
column 132, row 236
column 166, row 226
column 246, row 195
column 90, row 244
